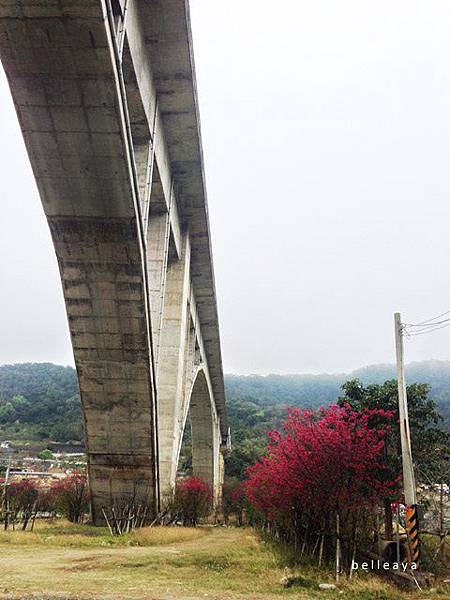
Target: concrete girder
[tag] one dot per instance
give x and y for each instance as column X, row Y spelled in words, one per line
column 142, row 93
column 132, row 245
column 66, row 89
column 168, row 38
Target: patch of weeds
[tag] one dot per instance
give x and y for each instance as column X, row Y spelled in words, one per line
column 304, row 582
column 83, row 530
column 373, row 595
column 443, row 590
column 216, row 563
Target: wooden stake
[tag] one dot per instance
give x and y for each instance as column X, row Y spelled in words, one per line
column 107, row 522
column 338, row 548
column 315, row 545
column 380, row 545
column 350, row 575
column 321, row 549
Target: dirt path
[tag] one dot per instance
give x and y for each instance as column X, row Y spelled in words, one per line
column 212, row 563
column 222, row 564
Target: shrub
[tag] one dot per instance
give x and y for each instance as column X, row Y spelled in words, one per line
column 21, row 500
column 46, row 454
column 322, row 464
column 71, row 497
column 192, row 501
column 233, row 499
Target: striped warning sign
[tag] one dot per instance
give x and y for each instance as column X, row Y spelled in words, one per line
column 412, row 528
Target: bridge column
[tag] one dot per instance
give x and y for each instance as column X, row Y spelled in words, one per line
column 207, row 460
column 171, row 365
column 157, row 255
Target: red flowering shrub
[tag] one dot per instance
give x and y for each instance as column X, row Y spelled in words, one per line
column 193, row 499
column 22, row 495
column 21, row 501
column 46, row 500
column 319, row 465
column 233, row 499
column 71, row 497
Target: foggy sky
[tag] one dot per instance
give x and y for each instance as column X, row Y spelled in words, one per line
column 326, row 130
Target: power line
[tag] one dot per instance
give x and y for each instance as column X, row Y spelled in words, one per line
column 422, row 332
column 427, row 325
column 427, row 321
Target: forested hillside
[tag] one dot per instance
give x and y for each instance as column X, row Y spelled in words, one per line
column 317, row 390
column 41, row 401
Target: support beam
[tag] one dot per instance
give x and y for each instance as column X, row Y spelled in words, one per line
column 69, row 103
column 171, row 362
column 157, row 261
column 144, row 96
column 206, row 455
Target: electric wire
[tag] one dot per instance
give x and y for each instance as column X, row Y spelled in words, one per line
column 408, row 334
column 427, row 321
column 427, row 326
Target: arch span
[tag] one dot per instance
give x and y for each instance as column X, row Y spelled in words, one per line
column 207, row 460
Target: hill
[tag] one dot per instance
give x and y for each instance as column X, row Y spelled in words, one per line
column 257, row 404
column 40, row 401
column 317, row 390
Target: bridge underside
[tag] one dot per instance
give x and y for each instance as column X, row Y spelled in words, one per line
column 105, row 96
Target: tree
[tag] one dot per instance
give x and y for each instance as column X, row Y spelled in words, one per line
column 322, row 464
column 71, row 497
column 193, row 499
column 430, row 443
column 22, row 497
column 46, row 454
column 233, row 499
column 7, row 413
column 424, row 416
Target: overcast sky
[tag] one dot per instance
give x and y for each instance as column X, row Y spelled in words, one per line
column 326, row 128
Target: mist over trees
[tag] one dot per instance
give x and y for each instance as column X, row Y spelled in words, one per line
column 40, row 401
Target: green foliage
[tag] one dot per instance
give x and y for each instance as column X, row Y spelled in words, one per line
column 249, row 426
column 430, row 441
column 40, row 401
column 313, row 391
column 46, row 454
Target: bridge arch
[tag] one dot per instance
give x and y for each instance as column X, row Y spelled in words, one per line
column 207, row 461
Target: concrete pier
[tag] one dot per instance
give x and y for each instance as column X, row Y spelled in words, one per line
column 106, row 98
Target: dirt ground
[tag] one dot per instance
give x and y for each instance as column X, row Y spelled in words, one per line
column 68, row 562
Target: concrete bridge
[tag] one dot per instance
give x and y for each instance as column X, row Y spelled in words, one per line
column 106, row 98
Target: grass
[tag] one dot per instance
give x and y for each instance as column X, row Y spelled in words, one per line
column 65, row 534
column 67, row 561
column 430, row 553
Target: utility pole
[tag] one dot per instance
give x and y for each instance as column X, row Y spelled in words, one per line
column 409, row 484
column 5, row 483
